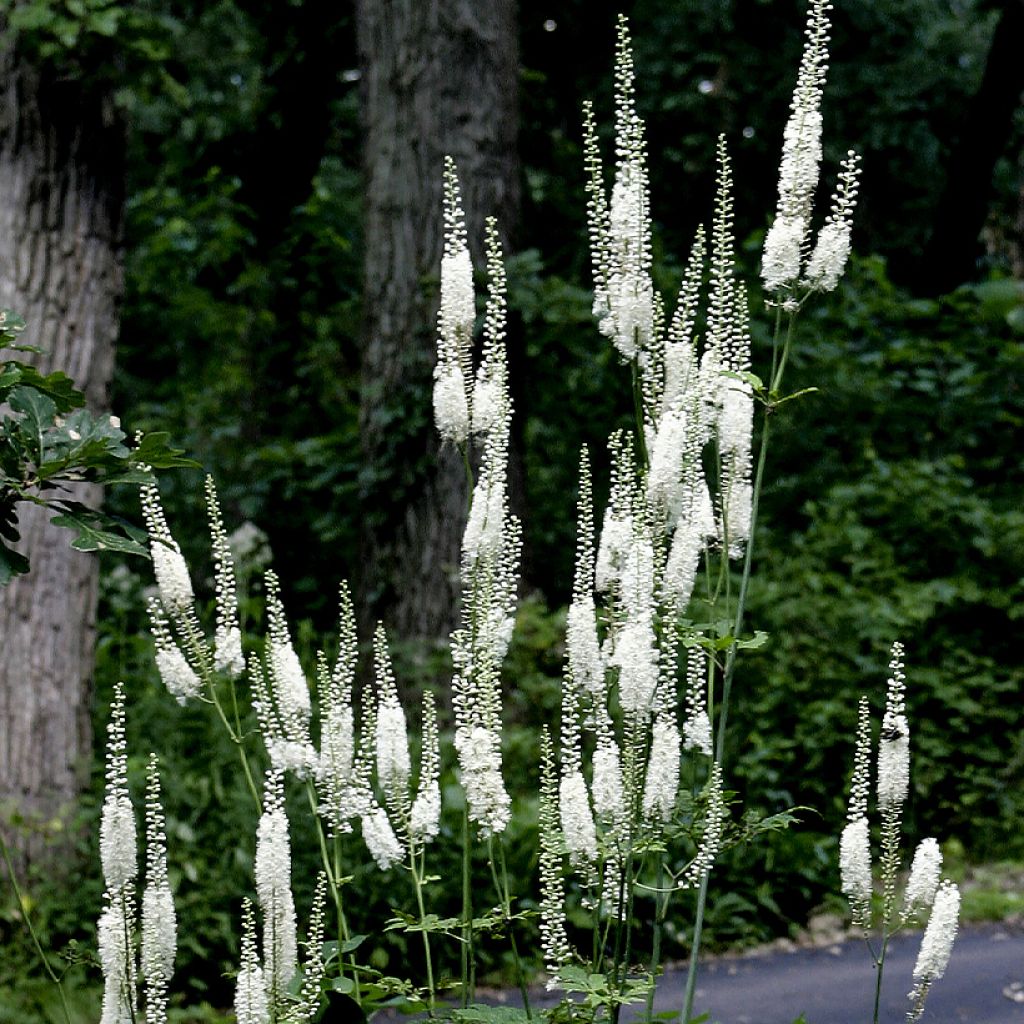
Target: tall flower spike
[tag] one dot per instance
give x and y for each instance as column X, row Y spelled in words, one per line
column 391, row 735
column 661, row 787
column 455, row 318
column 289, row 744
column 490, row 389
column 336, row 782
column 227, row 643
column 159, row 922
column 785, row 243
column 553, row 940
column 175, row 672
column 425, row 816
column 828, row 261
column 894, row 745
column 118, row 845
column 697, row 727
column 923, row 883
column 578, row 828
column 583, row 647
column 273, row 871
column 626, row 309
column 681, row 386
column 251, row 1005
column 936, row 946
column 314, row 968
column 172, row 578
column 380, row 838
column 117, row 959
column 714, row 824
column 855, row 842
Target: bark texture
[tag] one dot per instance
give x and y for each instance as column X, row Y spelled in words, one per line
column 951, row 255
column 61, row 160
column 438, row 77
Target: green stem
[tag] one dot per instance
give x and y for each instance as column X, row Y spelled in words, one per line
column 878, row 977
column 661, row 909
column 505, row 895
column 31, row 930
column 467, row 954
column 418, row 884
column 638, row 413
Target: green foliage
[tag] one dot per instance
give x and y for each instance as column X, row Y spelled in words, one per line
column 48, row 441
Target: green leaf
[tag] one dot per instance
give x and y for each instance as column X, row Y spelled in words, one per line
column 343, row 985
column 95, row 530
column 483, row 1014
column 37, row 416
column 12, row 563
column 775, row 401
column 58, row 386
column 155, row 451
column 352, row 943
column 752, row 643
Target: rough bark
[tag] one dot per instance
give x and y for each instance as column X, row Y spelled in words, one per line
column 61, row 157
column 437, row 77
column 951, row 255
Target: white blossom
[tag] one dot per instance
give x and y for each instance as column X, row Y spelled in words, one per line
column 894, row 744
column 832, row 250
column 661, row 787
column 117, row 959
column 582, row 645
column 923, row 883
column 479, row 751
column 425, row 816
column 118, row 850
column 936, row 945
column 392, row 747
column 783, row 250
column 272, row 870
column 380, row 839
column 176, row 673
column 451, row 409
column 227, row 651
column 227, row 644
column 458, row 303
column 855, row 868
column 251, row 1006
column 577, row 820
column 159, row 922
column 606, row 786
column 616, row 536
column 636, row 657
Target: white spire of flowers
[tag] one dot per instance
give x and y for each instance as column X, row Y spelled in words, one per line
column 617, row 527
column 583, row 647
column 159, row 922
column 490, row 388
column 606, row 787
column 801, row 158
column 621, row 230
column 681, row 386
column 936, row 945
column 425, row 815
column 832, row 250
column 391, row 738
column 313, row 969
column 117, row 959
column 176, row 673
column 380, row 838
column 553, row 940
column 661, row 787
column 119, row 859
column 455, row 318
column 577, row 820
column 284, row 705
column 925, row 871
column 735, row 434
column 855, row 843
column 273, row 872
column 894, row 745
column 335, row 775
column 251, row 1006
column 118, row 846
column 715, row 814
column 697, row 726
column 172, row 578
column 227, row 643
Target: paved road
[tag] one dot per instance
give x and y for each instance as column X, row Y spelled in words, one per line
column 835, row 984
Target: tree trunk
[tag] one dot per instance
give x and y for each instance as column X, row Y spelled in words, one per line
column 438, row 77
column 951, row 255
column 61, row 159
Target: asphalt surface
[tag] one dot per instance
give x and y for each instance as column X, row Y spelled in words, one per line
column 984, row 983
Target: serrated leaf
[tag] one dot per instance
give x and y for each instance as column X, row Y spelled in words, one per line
column 37, row 414
column 155, row 451
column 95, row 533
column 58, row 386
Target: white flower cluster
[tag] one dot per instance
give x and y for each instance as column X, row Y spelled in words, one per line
column 697, row 727
column 787, row 242
column 227, row 643
column 282, row 698
column 119, row 858
column 924, row 890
